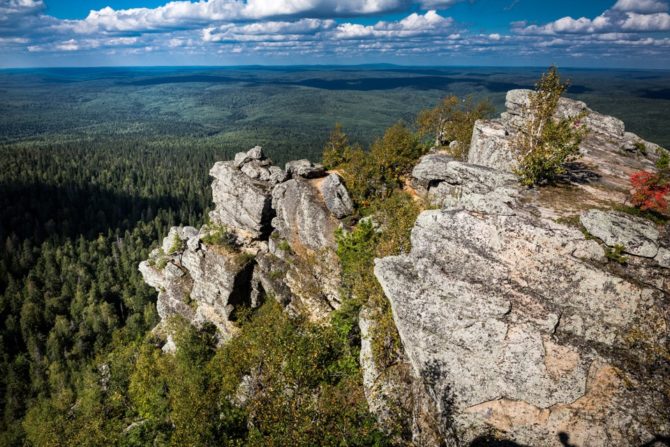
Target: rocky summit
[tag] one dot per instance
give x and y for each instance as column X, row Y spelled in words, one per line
column 510, row 307
column 528, row 316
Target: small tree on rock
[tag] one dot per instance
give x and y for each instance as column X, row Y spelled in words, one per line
column 546, row 143
column 452, row 121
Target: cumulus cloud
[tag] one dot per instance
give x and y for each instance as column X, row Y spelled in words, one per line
column 625, row 16
column 644, row 6
column 267, row 31
column 287, row 30
column 187, row 14
column 415, row 24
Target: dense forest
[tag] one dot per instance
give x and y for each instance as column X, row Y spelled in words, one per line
column 74, row 223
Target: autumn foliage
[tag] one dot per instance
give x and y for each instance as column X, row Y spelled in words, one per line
column 650, row 191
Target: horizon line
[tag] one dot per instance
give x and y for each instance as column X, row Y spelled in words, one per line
column 380, row 65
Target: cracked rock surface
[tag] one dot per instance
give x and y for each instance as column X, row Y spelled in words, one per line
column 512, row 310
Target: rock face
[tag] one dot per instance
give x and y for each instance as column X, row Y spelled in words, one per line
column 452, row 183
column 607, row 149
column 205, row 276
column 301, row 215
column 636, row 236
column 198, row 282
column 522, row 328
column 304, row 223
column 305, row 169
column 336, row 196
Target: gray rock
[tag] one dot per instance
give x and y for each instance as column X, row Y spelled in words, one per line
column 277, row 175
column 188, row 232
column 255, row 153
column 663, row 257
column 200, row 283
column 604, row 153
column 305, row 223
column 242, row 204
column 305, row 169
column 336, row 196
column 454, row 184
column 302, row 216
column 173, row 242
column 254, row 171
column 510, row 321
column 637, row 236
column 431, row 169
column 479, row 303
column 492, row 146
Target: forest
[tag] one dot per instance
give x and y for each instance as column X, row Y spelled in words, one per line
column 97, row 165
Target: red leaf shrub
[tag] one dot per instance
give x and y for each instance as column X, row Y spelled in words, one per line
column 650, row 191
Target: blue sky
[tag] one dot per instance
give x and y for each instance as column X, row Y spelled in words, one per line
column 577, row 33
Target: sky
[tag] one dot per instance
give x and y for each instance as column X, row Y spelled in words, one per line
column 571, row 33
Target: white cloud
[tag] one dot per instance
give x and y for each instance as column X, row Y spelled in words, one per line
column 630, row 16
column 285, row 30
column 644, row 6
column 413, row 25
column 187, row 14
column 261, row 31
column 646, row 22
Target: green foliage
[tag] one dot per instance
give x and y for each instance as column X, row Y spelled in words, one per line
column 375, row 174
column 663, row 162
column 452, row 121
column 641, row 147
column 335, row 152
column 313, row 364
column 177, row 245
column 658, row 219
column 283, row 245
column 219, row 235
column 616, row 254
column 161, row 261
column 547, row 143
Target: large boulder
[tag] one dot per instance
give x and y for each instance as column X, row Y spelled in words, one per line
column 518, row 326
column 447, row 182
column 492, row 146
column 302, row 216
column 336, row 196
column 242, row 192
column 305, row 169
column 305, row 236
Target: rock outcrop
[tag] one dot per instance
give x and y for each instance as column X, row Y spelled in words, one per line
column 200, row 283
column 529, row 316
column 516, row 310
column 271, row 234
column 608, row 151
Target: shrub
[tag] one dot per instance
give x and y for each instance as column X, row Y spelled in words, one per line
column 616, row 254
column 375, row 174
column 650, row 191
column 453, row 120
column 177, row 245
column 219, row 235
column 336, row 148
column 547, row 143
